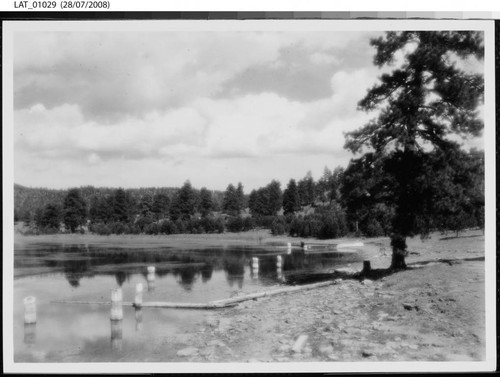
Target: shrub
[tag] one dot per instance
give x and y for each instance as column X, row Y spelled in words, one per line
column 118, row 228
column 142, row 222
column 219, row 225
column 265, row 221
column 374, row 229
column 295, row 227
column 248, row 223
column 100, row 228
column 134, row 229
column 152, row 228
column 168, row 227
column 278, row 227
column 180, row 225
column 234, row 224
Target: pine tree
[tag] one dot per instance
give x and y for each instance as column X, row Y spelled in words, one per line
column 120, row 205
column 74, row 210
column 184, row 203
column 291, row 200
column 306, row 190
column 421, row 102
column 240, row 195
column 275, row 195
column 160, row 206
column 206, row 202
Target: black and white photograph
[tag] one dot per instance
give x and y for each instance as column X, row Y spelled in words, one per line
column 268, row 195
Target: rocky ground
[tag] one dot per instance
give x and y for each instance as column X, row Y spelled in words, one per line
column 434, row 311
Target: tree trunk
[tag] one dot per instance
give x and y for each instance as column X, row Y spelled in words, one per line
column 398, row 243
column 398, row 260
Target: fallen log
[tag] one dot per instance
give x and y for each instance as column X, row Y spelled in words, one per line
column 181, row 305
column 218, row 304
column 152, row 304
column 353, row 244
column 273, row 292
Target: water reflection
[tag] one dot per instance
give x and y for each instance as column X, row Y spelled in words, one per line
column 120, row 277
column 75, row 270
column 206, row 272
column 179, row 276
column 116, row 334
column 151, row 283
column 29, row 334
column 187, row 276
column 234, row 268
column 84, row 261
column 138, row 319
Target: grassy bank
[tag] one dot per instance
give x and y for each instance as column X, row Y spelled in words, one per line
column 255, row 238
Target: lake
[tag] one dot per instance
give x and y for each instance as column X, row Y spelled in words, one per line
column 66, row 332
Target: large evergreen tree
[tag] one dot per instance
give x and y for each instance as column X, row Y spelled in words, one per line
column 291, row 199
column 101, row 210
column 120, row 204
column 240, row 195
column 74, row 210
column 206, row 202
column 184, row 202
column 49, row 217
column 266, row 201
column 160, row 206
column 420, row 103
column 457, row 189
column 231, row 202
column 306, row 190
column 275, row 197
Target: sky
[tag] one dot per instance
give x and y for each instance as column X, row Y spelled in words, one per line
column 157, row 108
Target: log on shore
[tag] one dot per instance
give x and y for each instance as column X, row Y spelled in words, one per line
column 152, row 304
column 225, row 303
column 273, row 292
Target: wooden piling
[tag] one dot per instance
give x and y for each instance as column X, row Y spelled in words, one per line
column 30, row 310
column 366, row 267
column 151, row 285
column 116, row 334
column 138, row 294
column 151, row 273
column 279, row 260
column 29, row 333
column 255, row 267
column 138, row 318
column 116, row 312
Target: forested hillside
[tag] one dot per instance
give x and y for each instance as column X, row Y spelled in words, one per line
column 358, row 200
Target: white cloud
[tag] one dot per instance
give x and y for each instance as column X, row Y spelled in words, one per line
column 113, row 75
column 139, row 109
column 186, row 142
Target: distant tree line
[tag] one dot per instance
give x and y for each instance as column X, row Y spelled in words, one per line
column 356, row 200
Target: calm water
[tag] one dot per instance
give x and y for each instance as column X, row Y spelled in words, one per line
column 72, row 332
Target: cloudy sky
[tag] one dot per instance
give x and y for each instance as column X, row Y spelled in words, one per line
column 156, row 108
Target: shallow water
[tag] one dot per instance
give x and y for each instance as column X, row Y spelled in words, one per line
column 84, row 332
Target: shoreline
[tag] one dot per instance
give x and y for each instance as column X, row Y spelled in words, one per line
column 431, row 312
